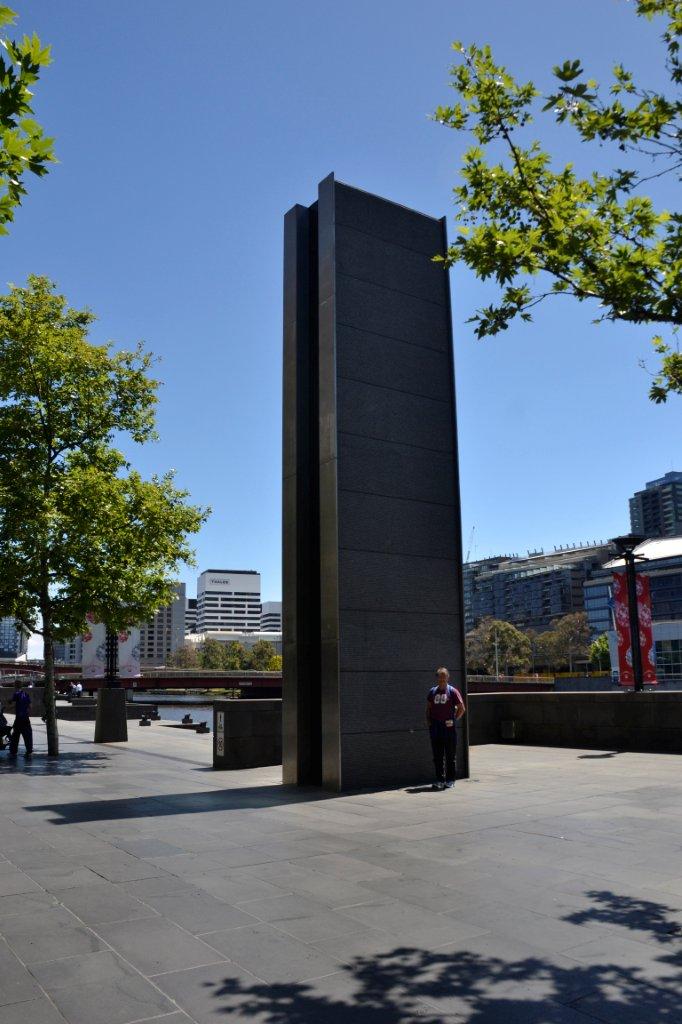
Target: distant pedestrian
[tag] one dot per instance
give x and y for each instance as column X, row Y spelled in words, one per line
column 22, row 722
column 79, row 689
column 444, row 705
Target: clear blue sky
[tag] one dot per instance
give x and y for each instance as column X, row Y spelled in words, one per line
column 184, row 133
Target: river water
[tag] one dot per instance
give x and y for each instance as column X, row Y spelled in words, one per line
column 174, row 708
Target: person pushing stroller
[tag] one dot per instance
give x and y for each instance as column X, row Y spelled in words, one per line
column 5, row 730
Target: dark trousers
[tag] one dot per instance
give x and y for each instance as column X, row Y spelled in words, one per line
column 444, row 747
column 21, row 728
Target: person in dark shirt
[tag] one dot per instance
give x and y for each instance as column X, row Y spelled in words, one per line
column 444, row 705
column 22, row 722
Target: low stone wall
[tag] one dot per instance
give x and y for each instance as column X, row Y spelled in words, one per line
column 37, row 707
column 247, row 733
column 595, row 721
column 84, row 709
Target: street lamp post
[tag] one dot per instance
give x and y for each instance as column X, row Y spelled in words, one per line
column 111, row 655
column 111, row 725
column 626, row 547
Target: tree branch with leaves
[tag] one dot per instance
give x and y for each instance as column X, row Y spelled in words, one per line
column 23, row 146
column 538, row 231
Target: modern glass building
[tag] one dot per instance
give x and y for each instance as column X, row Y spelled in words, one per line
column 533, row 591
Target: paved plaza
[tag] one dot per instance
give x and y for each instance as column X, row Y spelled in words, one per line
column 137, row 884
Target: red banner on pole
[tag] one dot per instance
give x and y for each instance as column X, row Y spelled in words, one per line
column 646, row 632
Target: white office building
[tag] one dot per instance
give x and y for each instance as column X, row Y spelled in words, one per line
column 165, row 632
column 228, row 600
column 13, row 639
column 271, row 616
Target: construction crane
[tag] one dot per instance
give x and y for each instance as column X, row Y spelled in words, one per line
column 471, row 541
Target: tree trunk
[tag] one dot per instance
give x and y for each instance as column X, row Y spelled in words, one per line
column 49, row 693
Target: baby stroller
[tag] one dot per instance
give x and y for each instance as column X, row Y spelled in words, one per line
column 5, row 729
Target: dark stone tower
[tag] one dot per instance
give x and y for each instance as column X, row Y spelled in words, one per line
column 372, row 594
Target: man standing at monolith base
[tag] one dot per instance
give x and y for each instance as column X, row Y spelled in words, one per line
column 372, row 538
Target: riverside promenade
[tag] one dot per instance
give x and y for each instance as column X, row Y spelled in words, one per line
column 136, row 884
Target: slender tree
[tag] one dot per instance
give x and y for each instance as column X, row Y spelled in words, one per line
column 541, row 230
column 260, row 655
column 600, row 655
column 80, row 531
column 236, row 656
column 212, row 654
column 186, row 656
column 497, row 646
column 571, row 639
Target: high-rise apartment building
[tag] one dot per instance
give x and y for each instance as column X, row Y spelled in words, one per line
column 69, row 652
column 229, row 600
column 165, row 632
column 191, row 616
column 657, row 510
column 13, row 639
column 271, row 616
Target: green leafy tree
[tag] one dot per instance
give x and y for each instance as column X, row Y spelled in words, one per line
column 236, row 656
column 600, row 655
column 212, row 654
column 80, row 531
column 186, row 656
column 275, row 663
column 495, row 646
column 545, row 650
column 23, row 147
column 260, row 655
column 540, row 231
column 571, row 640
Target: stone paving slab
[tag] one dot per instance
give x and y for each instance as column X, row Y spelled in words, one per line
column 136, row 884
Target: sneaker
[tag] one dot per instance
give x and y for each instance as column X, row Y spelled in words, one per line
column 449, row 785
column 438, row 786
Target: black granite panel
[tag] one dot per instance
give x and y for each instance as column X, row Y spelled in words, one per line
column 388, row 220
column 377, row 359
column 404, row 271
column 370, row 522
column 371, row 411
column 398, row 470
column 384, row 701
column 400, row 641
column 396, row 583
column 383, row 759
column 369, row 307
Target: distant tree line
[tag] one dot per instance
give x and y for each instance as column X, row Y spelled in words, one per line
column 232, row 656
column 498, row 647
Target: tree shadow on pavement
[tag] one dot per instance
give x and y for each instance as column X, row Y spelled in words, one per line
column 69, row 763
column 409, row 985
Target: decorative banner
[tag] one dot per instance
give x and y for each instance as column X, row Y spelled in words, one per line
column 646, row 630
column 129, row 654
column 646, row 635
column 94, row 658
